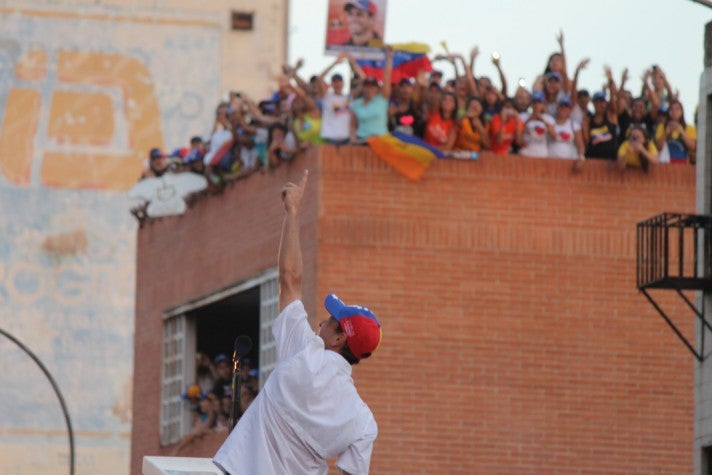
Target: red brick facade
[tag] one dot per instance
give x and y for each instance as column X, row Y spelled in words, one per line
column 514, row 339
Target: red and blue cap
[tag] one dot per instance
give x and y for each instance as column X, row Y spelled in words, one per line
column 365, row 5
column 359, row 324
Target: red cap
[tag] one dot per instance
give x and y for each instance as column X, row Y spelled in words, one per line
column 359, row 324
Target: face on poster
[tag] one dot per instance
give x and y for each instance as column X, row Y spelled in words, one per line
column 356, row 27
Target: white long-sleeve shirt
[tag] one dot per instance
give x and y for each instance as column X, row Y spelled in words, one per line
column 308, row 411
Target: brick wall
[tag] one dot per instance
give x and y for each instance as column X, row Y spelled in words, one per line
column 515, row 341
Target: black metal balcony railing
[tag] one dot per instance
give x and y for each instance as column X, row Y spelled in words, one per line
column 675, row 252
column 671, row 247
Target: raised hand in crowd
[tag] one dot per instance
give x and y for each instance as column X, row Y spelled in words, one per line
column 496, row 60
column 339, row 59
column 661, row 84
column 574, row 84
column 563, row 70
column 470, row 73
column 387, row 72
column 306, row 118
column 624, row 79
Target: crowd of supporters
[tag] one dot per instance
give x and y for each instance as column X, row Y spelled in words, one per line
column 634, row 125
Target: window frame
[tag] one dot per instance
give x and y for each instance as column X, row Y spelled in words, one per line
column 178, row 349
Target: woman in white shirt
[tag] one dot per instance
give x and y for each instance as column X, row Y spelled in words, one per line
column 567, row 141
column 538, row 127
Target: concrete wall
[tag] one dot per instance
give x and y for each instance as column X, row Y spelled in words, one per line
column 515, row 341
column 246, row 59
column 86, row 89
column 703, row 370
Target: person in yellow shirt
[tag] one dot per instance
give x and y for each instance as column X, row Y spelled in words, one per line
column 637, row 151
column 680, row 137
column 306, row 119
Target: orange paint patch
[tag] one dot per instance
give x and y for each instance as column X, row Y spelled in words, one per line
column 93, row 171
column 101, row 171
column 17, row 133
column 67, row 243
column 32, row 66
column 81, row 118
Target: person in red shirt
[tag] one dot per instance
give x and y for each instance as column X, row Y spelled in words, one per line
column 441, row 128
column 506, row 129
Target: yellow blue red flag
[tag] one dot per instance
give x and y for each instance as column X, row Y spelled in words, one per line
column 407, row 154
column 408, row 60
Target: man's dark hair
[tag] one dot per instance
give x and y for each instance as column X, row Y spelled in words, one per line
column 345, row 351
column 272, row 128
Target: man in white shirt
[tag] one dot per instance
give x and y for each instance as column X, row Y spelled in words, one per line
column 309, row 410
column 335, row 113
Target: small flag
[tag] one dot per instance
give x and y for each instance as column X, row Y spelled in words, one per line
column 408, row 60
column 408, row 154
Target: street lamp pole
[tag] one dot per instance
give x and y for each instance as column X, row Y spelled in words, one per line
column 706, row 3
column 57, row 392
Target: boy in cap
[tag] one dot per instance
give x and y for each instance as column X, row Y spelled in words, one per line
column 308, row 411
column 602, row 131
column 335, row 113
column 157, row 164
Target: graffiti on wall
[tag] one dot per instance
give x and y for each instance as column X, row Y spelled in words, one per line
column 82, row 101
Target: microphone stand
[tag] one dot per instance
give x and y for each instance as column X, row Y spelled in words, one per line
column 243, row 345
column 235, row 410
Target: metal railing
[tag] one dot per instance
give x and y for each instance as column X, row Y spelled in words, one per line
column 675, row 252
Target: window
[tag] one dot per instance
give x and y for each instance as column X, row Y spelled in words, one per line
column 209, row 326
column 706, row 468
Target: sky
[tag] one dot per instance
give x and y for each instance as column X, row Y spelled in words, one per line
column 619, row 33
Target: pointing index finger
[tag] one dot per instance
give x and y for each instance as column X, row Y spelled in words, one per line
column 303, row 181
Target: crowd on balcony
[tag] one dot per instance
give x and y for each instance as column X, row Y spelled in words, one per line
column 633, row 125
column 209, row 398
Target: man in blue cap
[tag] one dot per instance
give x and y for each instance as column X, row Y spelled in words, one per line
column 309, row 410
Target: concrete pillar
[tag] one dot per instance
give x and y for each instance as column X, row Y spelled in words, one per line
column 703, row 370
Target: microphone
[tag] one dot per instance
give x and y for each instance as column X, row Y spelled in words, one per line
column 243, row 345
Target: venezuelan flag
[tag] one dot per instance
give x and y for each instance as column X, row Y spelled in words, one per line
column 409, row 155
column 408, row 60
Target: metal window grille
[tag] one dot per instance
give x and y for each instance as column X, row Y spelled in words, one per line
column 173, row 379
column 269, row 309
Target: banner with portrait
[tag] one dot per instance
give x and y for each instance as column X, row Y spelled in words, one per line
column 356, row 27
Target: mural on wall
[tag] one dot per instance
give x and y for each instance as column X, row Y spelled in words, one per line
column 83, row 98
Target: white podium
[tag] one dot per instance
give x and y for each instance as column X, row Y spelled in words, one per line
column 153, row 465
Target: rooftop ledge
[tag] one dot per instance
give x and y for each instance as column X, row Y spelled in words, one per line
column 365, row 170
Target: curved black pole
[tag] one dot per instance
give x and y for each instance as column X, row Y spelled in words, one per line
column 56, row 390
